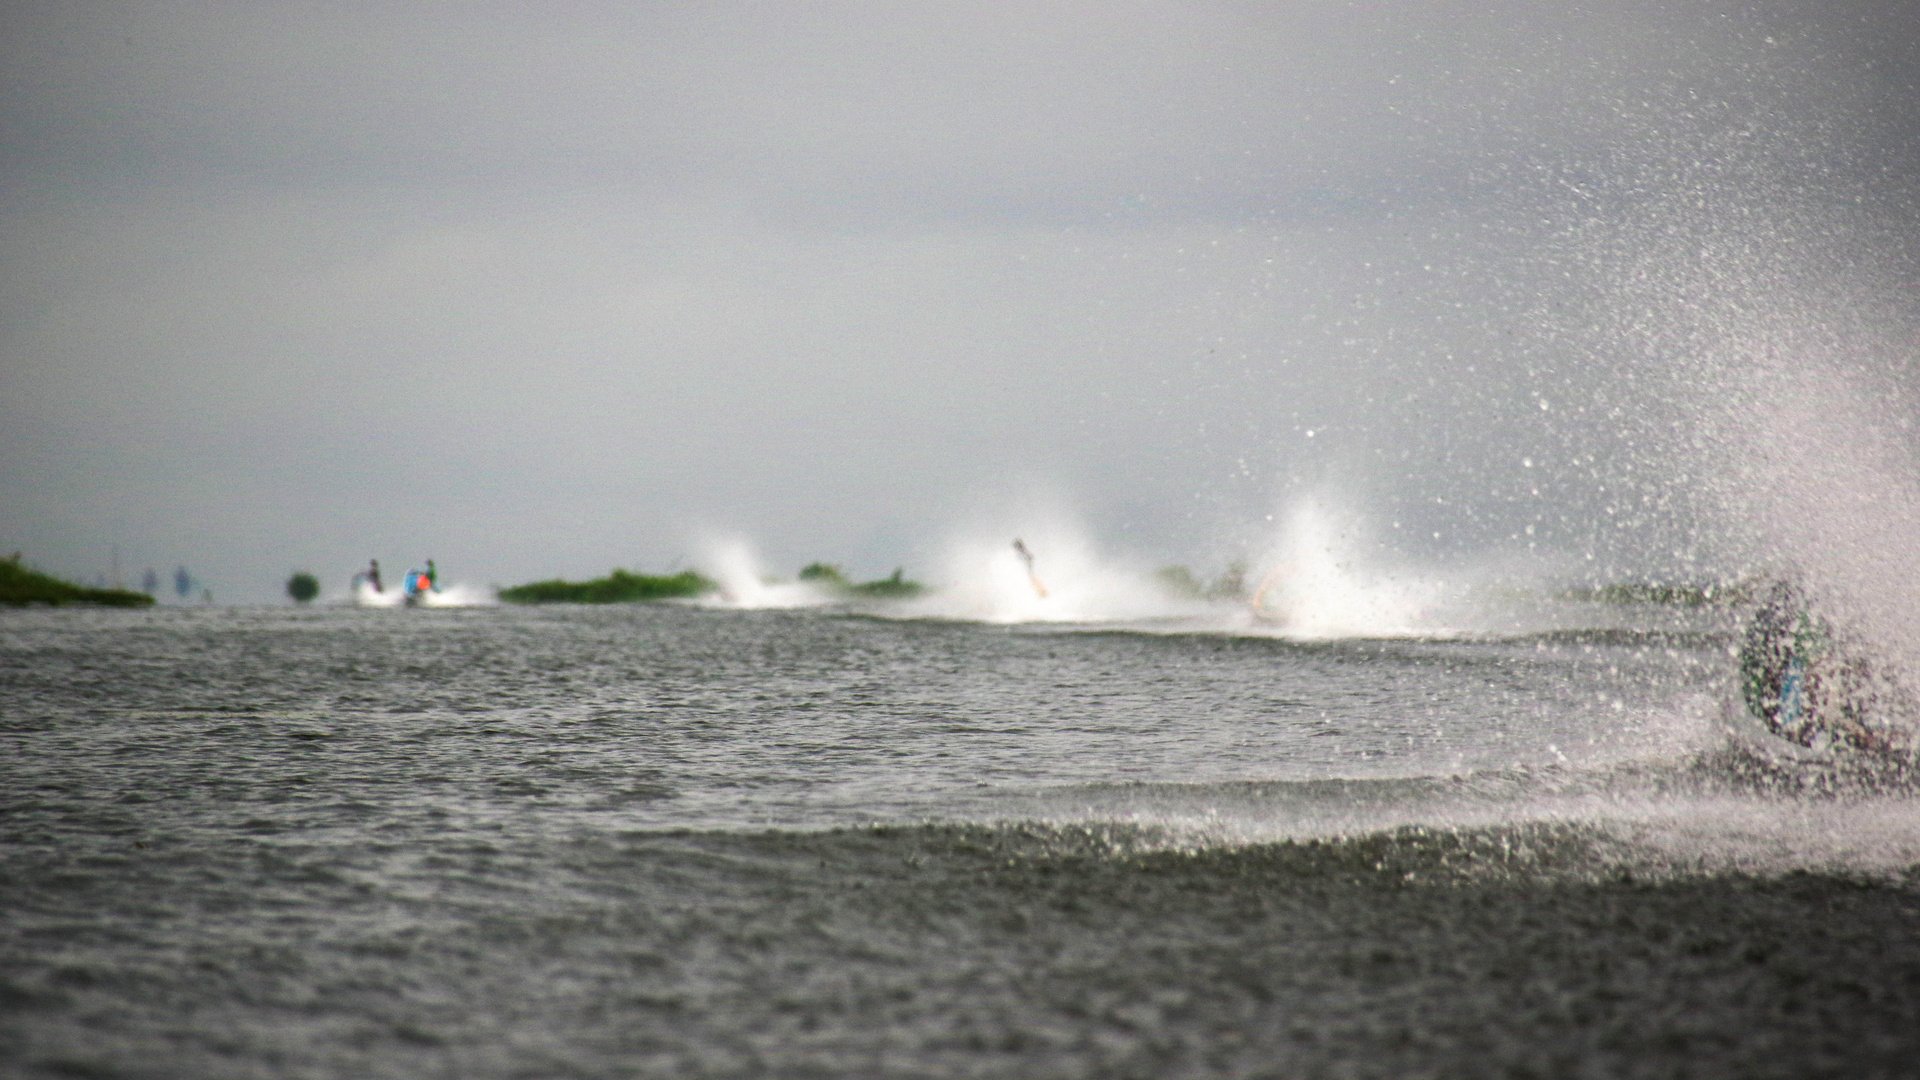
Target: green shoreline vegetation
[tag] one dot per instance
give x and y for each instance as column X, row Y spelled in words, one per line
column 20, row 586
column 619, row 587
column 1181, row 583
column 626, row 587
column 895, row 587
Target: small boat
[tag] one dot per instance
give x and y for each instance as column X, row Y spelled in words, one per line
column 418, row 588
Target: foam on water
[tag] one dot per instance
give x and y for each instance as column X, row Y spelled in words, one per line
column 364, row 595
column 1688, row 797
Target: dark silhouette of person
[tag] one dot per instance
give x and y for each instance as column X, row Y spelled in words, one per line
column 1032, row 578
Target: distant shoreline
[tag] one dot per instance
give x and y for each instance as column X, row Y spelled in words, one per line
column 626, row 587
column 618, row 587
column 21, row 586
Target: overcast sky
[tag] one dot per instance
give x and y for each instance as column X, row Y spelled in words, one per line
column 544, row 289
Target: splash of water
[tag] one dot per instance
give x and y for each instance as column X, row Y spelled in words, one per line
column 453, row 595
column 1315, row 582
column 1315, row 585
column 459, row 595
column 744, row 583
column 1766, row 318
column 1812, row 470
column 364, row 595
column 985, row 579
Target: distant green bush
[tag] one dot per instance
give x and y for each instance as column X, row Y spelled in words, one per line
column 825, row 574
column 19, row 586
column 1231, row 585
column 1179, row 581
column 303, row 587
column 619, row 587
column 896, row 587
column 829, row 576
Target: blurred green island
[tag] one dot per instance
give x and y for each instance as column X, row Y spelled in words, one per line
column 896, row 587
column 619, row 587
column 626, row 587
column 20, row 586
column 1182, row 584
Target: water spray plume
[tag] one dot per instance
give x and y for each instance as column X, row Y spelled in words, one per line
column 1316, row 586
column 735, row 567
column 458, row 595
column 1257, row 603
column 363, row 593
column 989, row 580
column 1759, row 307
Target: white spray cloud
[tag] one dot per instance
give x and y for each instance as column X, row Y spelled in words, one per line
column 744, row 583
column 452, row 595
column 1812, row 467
column 365, row 595
column 985, row 578
column 459, row 595
column 1315, row 584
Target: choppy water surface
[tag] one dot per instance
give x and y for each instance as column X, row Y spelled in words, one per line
column 661, row 840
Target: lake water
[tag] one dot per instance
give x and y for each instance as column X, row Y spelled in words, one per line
column 667, row 840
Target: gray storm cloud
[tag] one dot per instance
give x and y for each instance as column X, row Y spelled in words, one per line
column 540, row 290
